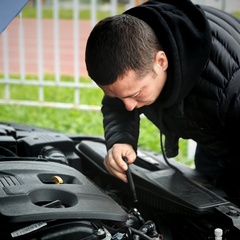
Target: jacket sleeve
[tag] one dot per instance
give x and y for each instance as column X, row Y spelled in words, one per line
column 120, row 125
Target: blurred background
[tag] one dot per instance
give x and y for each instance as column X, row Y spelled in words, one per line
column 43, row 78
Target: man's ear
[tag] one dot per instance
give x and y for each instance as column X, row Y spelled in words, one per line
column 161, row 60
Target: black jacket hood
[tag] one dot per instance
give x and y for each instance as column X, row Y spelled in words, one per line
column 184, row 33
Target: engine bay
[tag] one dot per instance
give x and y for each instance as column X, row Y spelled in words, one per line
column 54, row 186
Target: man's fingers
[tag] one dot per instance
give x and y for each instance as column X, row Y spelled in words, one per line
column 115, row 170
column 114, row 162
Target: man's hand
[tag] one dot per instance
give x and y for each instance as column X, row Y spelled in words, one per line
column 114, row 160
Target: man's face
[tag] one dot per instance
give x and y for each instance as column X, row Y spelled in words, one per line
column 135, row 92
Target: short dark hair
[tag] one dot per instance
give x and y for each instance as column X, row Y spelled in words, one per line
column 118, row 44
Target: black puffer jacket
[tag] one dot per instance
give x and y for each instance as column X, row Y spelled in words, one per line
column 201, row 99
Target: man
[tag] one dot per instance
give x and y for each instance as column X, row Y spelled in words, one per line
column 179, row 65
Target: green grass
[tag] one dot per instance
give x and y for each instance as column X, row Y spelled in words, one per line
column 63, row 120
column 236, row 14
column 89, row 96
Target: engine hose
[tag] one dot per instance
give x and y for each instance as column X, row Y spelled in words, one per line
column 141, row 234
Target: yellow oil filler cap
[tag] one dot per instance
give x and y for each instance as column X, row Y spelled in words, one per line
column 57, row 180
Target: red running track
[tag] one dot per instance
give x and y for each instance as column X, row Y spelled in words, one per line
column 66, row 51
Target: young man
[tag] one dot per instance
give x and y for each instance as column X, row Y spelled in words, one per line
column 179, row 64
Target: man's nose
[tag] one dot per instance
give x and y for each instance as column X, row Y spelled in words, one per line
column 130, row 103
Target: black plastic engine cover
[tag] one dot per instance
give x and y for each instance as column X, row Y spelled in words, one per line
column 160, row 186
column 29, row 192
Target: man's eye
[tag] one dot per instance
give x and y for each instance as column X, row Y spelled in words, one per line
column 136, row 95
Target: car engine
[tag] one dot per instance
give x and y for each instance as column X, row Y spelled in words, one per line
column 54, row 186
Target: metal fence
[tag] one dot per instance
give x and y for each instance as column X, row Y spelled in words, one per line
column 32, row 50
column 44, row 48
